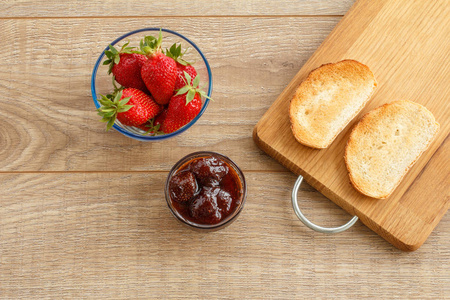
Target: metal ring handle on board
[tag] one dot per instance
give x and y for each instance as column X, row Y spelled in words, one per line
column 310, row 224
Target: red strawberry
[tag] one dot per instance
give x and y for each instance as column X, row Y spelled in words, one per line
column 180, row 82
column 179, row 113
column 182, row 66
column 159, row 72
column 128, row 71
column 145, row 108
column 126, row 66
column 159, row 119
column 131, row 107
column 184, row 106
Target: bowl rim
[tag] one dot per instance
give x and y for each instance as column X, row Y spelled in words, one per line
column 158, row 137
column 228, row 220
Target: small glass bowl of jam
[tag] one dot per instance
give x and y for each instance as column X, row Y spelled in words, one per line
column 205, row 190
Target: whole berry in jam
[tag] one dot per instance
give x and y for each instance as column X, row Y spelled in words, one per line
column 209, row 170
column 183, row 187
column 204, row 207
column 224, row 201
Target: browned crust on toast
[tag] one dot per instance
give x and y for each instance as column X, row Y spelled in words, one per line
column 349, row 69
column 364, row 125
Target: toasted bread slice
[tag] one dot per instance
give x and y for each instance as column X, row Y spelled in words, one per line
column 328, row 99
column 385, row 144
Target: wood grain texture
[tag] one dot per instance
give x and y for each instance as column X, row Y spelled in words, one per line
column 116, row 8
column 48, row 121
column 80, row 218
column 111, row 235
column 411, row 62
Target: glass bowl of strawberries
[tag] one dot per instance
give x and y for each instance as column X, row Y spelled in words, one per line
column 151, row 84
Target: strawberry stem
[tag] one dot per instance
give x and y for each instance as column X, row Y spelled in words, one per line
column 113, row 55
column 150, row 45
column 112, row 104
column 116, row 89
column 153, row 130
column 191, row 90
column 175, row 52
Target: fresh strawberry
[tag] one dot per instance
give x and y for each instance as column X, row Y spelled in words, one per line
column 126, row 66
column 145, row 108
column 128, row 71
column 160, row 71
column 184, row 106
column 179, row 113
column 130, row 106
column 180, row 82
column 182, row 66
column 159, row 119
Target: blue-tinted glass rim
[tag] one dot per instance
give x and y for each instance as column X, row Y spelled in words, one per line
column 159, row 137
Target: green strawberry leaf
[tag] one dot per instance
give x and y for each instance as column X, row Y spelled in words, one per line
column 125, row 108
column 124, row 101
column 159, row 40
column 141, row 46
column 110, row 123
column 182, row 62
column 183, row 90
column 117, row 97
column 149, row 45
column 105, row 110
column 203, row 94
column 191, row 90
column 196, row 81
column 109, row 54
column 113, row 58
column 175, row 52
column 126, row 49
column 190, row 96
column 104, row 102
column 113, row 50
column 112, row 105
column 188, row 78
column 109, row 114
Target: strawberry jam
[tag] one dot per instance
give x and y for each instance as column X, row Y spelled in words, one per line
column 206, row 190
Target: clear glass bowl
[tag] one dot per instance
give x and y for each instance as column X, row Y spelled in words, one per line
column 101, row 82
column 206, row 227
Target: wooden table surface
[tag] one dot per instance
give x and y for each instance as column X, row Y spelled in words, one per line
column 82, row 211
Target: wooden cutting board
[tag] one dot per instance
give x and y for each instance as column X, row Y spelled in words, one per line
column 407, row 46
